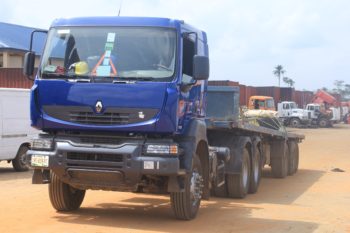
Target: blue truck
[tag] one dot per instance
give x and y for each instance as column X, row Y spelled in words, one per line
column 123, row 104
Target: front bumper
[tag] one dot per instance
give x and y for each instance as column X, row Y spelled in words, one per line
column 108, row 167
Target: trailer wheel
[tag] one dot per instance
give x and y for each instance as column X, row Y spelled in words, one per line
column 64, row 197
column 293, row 158
column 255, row 176
column 238, row 185
column 19, row 163
column 279, row 159
column 295, row 122
column 185, row 204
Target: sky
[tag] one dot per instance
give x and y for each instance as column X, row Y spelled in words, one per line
column 247, row 38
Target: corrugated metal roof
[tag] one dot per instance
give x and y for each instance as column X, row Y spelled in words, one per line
column 17, row 37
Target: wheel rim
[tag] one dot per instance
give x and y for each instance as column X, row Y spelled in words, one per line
column 196, row 187
column 256, row 169
column 22, row 159
column 295, row 123
column 245, row 174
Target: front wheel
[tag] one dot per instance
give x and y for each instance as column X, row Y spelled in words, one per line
column 186, row 204
column 295, row 122
column 19, row 163
column 64, row 197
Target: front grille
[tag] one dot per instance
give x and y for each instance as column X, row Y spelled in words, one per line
column 309, row 115
column 85, row 115
column 107, row 118
column 95, row 157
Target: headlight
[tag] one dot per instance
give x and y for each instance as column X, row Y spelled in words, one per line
column 162, row 149
column 42, row 143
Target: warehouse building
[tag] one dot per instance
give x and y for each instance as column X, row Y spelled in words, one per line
column 14, row 43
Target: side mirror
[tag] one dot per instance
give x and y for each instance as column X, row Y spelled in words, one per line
column 29, row 60
column 200, row 67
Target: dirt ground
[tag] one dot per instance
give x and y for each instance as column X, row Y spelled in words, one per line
column 316, row 199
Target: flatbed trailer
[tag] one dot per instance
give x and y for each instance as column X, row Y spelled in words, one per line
column 169, row 133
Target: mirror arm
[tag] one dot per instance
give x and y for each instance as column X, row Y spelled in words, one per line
column 31, row 46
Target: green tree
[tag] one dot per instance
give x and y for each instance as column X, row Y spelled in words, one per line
column 278, row 72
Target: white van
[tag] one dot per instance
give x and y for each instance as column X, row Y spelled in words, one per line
column 15, row 129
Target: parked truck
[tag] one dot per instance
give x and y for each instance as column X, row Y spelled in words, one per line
column 123, row 105
column 319, row 115
column 261, row 102
column 293, row 116
column 15, row 130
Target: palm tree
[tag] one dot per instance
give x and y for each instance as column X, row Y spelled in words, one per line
column 290, row 82
column 278, row 72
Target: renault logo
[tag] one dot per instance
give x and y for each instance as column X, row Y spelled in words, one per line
column 98, row 107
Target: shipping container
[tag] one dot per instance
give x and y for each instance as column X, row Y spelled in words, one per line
column 302, row 98
column 223, row 83
column 270, row 91
column 287, row 94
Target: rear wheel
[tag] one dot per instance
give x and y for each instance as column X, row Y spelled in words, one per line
column 19, row 163
column 238, row 184
column 186, row 204
column 295, row 122
column 64, row 197
column 255, row 171
column 293, row 158
column 279, row 159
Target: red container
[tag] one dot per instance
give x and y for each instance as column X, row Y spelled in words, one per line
column 270, row 91
column 223, row 83
column 302, row 98
column 287, row 94
column 14, row 78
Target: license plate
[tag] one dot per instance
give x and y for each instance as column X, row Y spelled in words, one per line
column 148, row 165
column 40, row 161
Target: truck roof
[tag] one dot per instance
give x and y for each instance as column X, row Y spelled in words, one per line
column 124, row 21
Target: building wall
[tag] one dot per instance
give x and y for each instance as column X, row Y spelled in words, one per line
column 14, row 60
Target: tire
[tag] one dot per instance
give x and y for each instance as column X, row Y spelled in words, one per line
column 238, row 185
column 255, row 176
column 64, row 197
column 185, row 204
column 293, row 163
column 19, row 163
column 221, row 191
column 279, row 160
column 323, row 123
column 295, row 123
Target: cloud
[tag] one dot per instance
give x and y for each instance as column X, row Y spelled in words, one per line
column 247, row 39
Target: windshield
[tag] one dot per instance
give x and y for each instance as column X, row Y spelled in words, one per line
column 270, row 103
column 293, row 105
column 110, row 52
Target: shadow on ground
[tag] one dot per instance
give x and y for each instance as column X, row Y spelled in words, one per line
column 153, row 213
column 8, row 173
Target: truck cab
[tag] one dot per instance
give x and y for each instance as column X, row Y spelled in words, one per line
column 319, row 115
column 291, row 115
column 262, row 103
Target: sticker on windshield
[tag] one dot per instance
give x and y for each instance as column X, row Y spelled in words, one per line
column 63, row 31
column 111, row 37
column 109, row 46
column 108, row 54
column 103, row 71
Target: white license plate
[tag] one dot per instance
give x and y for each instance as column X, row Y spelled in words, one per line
column 40, row 161
column 148, row 165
